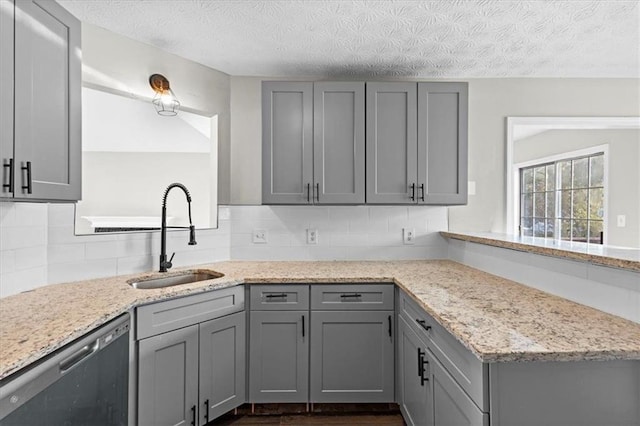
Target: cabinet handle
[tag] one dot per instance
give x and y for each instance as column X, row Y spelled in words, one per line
column 389, row 318
column 318, row 192
column 206, row 411
column 303, row 326
column 274, row 296
column 422, row 192
column 28, row 185
column 193, row 416
column 10, row 184
column 346, row 296
column 413, row 192
column 423, row 324
column 308, row 193
column 421, row 363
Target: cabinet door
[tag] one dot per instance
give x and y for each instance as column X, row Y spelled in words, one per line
column 47, row 101
column 279, row 356
column 338, row 142
column 451, row 405
column 222, row 365
column 6, row 95
column 287, row 142
column 414, row 393
column 168, row 378
column 391, row 143
column 442, row 143
column 352, row 356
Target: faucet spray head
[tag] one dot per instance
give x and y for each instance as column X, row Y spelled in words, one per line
column 192, row 235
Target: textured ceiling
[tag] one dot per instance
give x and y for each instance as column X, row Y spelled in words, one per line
column 446, row 38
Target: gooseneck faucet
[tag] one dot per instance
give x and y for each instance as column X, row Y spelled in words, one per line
column 164, row 263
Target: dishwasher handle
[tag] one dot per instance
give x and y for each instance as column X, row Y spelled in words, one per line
column 82, row 354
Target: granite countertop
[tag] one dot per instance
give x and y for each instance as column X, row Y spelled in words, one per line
column 497, row 319
column 615, row 257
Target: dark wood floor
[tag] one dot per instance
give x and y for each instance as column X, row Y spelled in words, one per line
column 321, row 414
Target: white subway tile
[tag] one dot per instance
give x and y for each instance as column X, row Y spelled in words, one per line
column 102, row 250
column 134, row 264
column 22, row 236
column 62, row 214
column 31, row 257
column 24, row 280
column 7, row 215
column 61, row 253
column 82, row 270
column 65, row 235
column 7, row 261
column 31, row 214
column 349, row 213
column 349, row 240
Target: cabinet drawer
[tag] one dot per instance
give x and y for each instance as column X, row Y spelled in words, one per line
column 329, row 297
column 468, row 371
column 287, row 297
column 172, row 314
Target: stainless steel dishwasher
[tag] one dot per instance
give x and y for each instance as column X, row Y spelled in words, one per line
column 84, row 383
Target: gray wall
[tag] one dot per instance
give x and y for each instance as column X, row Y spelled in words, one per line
column 624, row 171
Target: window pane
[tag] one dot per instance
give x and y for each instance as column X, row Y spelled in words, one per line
column 595, row 228
column 565, row 229
column 527, row 205
column 538, row 228
column 527, row 180
column 527, row 226
column 539, row 207
column 551, row 177
column 581, row 173
column 565, row 174
column 550, row 227
column 540, row 179
column 565, row 204
column 579, row 231
column 596, row 203
column 580, row 204
column 597, row 170
column 551, row 204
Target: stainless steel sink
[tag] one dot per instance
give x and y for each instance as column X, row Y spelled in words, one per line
column 185, row 277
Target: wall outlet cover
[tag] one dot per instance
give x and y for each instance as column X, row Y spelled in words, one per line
column 312, row 236
column 408, row 235
column 621, row 221
column 260, row 236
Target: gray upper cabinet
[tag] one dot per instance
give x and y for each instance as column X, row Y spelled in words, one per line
column 417, row 143
column 338, row 142
column 391, row 143
column 168, row 378
column 442, row 143
column 312, row 143
column 279, row 356
column 46, row 109
column 287, row 142
column 352, row 356
column 222, row 365
column 6, row 97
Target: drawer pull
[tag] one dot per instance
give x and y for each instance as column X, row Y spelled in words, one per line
column 303, row 326
column 347, row 296
column 206, row 411
column 276, row 296
column 423, row 324
column 389, row 318
column 193, row 416
column 421, row 363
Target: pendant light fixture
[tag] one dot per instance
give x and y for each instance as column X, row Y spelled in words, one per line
column 165, row 100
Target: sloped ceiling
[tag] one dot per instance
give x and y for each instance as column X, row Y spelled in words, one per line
column 474, row 38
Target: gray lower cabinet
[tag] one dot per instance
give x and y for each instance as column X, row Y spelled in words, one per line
column 352, row 356
column 41, row 156
column 279, row 356
column 222, row 365
column 168, row 378
column 192, row 375
column 414, row 393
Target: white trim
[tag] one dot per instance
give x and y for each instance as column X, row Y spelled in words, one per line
column 553, row 123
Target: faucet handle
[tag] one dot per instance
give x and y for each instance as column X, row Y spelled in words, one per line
column 168, row 263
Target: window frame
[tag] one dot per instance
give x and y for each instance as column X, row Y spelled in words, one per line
column 586, row 152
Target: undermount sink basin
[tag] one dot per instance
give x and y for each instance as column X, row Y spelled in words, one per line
column 182, row 278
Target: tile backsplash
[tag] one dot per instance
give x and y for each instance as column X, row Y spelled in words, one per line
column 38, row 245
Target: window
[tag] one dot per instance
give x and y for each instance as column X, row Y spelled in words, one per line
column 564, row 199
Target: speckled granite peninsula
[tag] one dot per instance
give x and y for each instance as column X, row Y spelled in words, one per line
column 497, row 319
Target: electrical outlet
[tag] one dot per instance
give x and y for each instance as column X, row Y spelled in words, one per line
column 312, row 236
column 260, row 236
column 621, row 221
column 408, row 235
